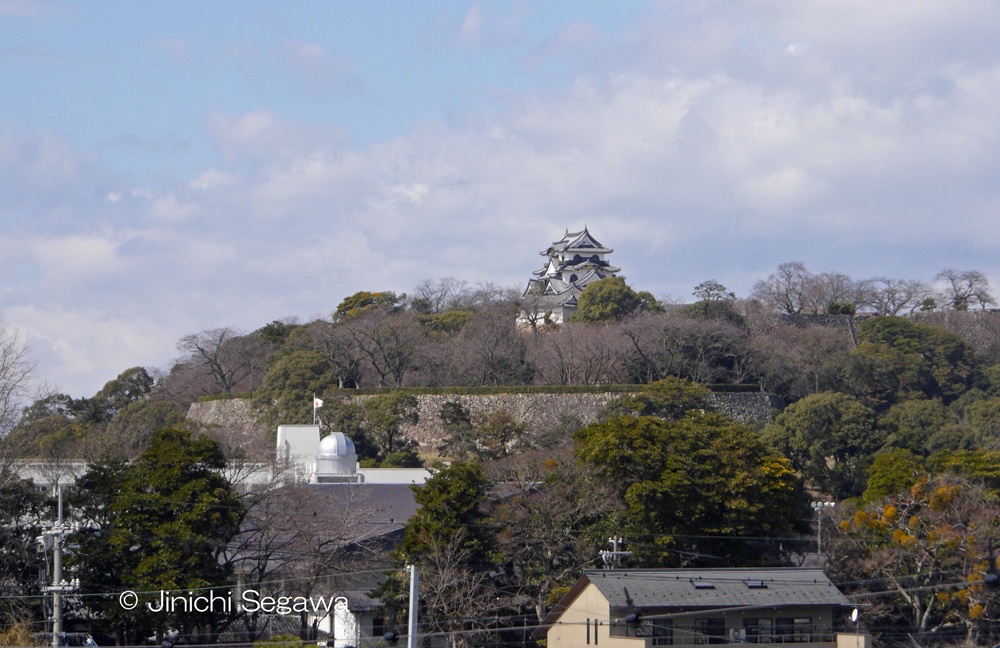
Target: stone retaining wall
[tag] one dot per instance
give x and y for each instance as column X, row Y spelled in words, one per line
column 540, row 413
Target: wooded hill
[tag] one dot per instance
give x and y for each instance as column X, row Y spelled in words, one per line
column 894, row 413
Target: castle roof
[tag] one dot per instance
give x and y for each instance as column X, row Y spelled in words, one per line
column 582, row 241
column 574, row 262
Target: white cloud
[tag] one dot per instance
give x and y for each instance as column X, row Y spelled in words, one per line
column 80, row 349
column 718, row 142
column 74, row 260
column 213, row 178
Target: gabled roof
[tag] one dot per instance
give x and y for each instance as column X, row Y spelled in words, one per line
column 702, row 589
column 582, row 241
column 715, row 588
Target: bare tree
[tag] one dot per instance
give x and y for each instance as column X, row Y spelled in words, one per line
column 15, row 375
column 578, row 353
column 885, row 296
column 459, row 598
column 437, row 297
column 550, row 520
column 785, row 290
column 16, row 372
column 229, row 357
column 655, row 353
column 964, row 288
column 346, row 357
column 294, row 539
column 496, row 352
column 391, row 342
column 828, row 288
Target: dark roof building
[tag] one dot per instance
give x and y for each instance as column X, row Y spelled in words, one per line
column 659, row 607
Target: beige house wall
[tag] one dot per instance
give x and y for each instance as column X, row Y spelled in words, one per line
column 590, row 607
column 591, row 611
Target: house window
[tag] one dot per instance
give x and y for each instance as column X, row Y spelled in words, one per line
column 710, row 631
column 758, row 630
column 794, row 629
column 660, row 630
column 378, row 626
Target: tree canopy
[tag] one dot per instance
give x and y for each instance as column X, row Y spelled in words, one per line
column 165, row 520
column 684, row 481
column 830, row 438
column 611, row 300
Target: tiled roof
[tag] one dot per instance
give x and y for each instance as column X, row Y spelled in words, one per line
column 715, row 588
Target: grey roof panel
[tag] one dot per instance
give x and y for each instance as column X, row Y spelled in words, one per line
column 675, row 588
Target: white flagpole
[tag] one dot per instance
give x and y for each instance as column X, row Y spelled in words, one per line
column 314, row 409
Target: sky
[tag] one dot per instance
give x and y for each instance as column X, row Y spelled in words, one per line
column 171, row 167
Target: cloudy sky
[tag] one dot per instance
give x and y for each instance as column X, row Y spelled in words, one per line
column 167, row 167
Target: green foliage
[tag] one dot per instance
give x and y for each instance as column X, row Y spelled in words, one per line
column 286, row 394
column 669, row 398
column 897, row 359
column 130, row 386
column 385, row 415
column 498, row 435
column 893, row 472
column 276, row 333
column 450, row 511
column 442, row 326
column 724, row 310
column 607, row 300
column 701, row 475
column 648, row 303
column 357, row 304
column 840, row 308
column 489, row 438
column 982, row 417
column 402, row 459
column 132, row 428
column 453, row 414
column 22, row 509
column 976, row 465
column 166, row 519
column 910, row 424
column 712, row 290
column 460, row 435
column 830, row 438
column 51, row 423
column 284, row 640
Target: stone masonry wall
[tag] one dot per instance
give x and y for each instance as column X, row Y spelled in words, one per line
column 538, row 412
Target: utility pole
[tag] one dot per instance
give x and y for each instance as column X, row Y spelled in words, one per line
column 53, row 538
column 57, row 576
column 411, row 637
column 611, row 558
column 818, row 507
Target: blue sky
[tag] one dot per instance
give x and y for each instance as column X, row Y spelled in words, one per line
column 167, row 167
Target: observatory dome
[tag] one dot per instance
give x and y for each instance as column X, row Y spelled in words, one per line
column 336, row 459
column 335, row 445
